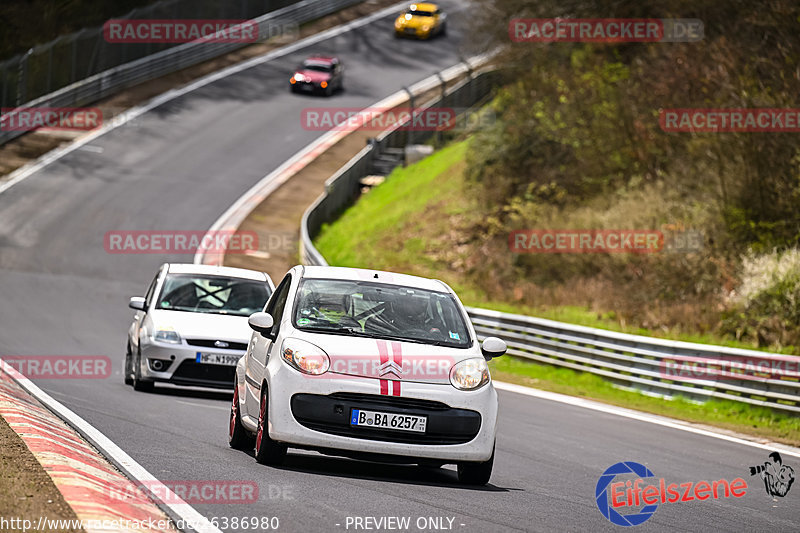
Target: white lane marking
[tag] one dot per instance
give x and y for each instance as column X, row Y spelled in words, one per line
column 642, row 417
column 203, row 406
column 178, row 509
column 131, row 114
column 93, row 149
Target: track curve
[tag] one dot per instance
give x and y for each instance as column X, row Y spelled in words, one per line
column 179, row 167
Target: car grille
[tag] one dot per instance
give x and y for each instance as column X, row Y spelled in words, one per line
column 331, row 414
column 392, row 401
column 204, row 375
column 209, row 343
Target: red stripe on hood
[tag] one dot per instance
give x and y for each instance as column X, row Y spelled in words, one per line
column 397, row 357
column 383, row 350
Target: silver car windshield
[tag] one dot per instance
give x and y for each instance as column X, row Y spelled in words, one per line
column 381, row 311
column 213, row 294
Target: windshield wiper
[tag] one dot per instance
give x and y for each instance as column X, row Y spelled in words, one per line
column 336, row 329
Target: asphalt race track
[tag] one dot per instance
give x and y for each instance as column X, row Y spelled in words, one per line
column 179, row 167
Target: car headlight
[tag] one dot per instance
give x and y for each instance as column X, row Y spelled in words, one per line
column 426, row 28
column 305, row 357
column 470, row 374
column 299, row 77
column 167, row 335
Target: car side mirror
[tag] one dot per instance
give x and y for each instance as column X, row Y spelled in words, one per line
column 262, row 323
column 493, row 347
column 136, row 302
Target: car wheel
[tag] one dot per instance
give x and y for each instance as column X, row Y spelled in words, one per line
column 138, row 383
column 475, row 473
column 443, row 31
column 329, row 90
column 268, row 452
column 127, row 368
column 238, row 437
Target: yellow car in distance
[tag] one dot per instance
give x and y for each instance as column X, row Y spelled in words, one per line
column 422, row 21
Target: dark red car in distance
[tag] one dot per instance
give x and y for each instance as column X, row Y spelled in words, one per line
column 318, row 74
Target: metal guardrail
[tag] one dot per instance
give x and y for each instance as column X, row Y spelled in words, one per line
column 173, row 59
column 344, row 186
column 650, row 365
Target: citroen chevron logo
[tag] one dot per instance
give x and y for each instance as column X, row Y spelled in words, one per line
column 390, row 367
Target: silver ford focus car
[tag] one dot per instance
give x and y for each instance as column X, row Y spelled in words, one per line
column 371, row 365
column 191, row 327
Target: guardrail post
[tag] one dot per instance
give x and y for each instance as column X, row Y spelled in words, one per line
column 74, row 71
column 22, row 83
column 439, row 135
column 409, row 131
column 49, row 67
column 5, row 85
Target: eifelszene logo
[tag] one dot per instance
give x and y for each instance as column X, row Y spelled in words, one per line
column 778, row 477
column 615, row 497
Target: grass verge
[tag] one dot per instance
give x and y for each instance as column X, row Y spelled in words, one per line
column 402, row 226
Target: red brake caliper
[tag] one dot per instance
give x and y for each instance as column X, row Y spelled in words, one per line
column 261, row 421
column 234, row 409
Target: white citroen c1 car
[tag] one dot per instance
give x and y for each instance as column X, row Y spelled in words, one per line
column 191, row 327
column 370, row 365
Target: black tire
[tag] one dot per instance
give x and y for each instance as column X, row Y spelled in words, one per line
column 238, row 437
column 328, row 90
column 138, row 383
column 476, row 473
column 268, row 452
column 127, row 368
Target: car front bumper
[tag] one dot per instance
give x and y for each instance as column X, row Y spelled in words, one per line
column 413, row 32
column 314, row 412
column 179, row 365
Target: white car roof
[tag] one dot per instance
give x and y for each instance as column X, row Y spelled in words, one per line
column 361, row 274
column 191, row 268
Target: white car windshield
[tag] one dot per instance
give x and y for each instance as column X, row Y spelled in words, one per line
column 213, row 294
column 380, row 310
